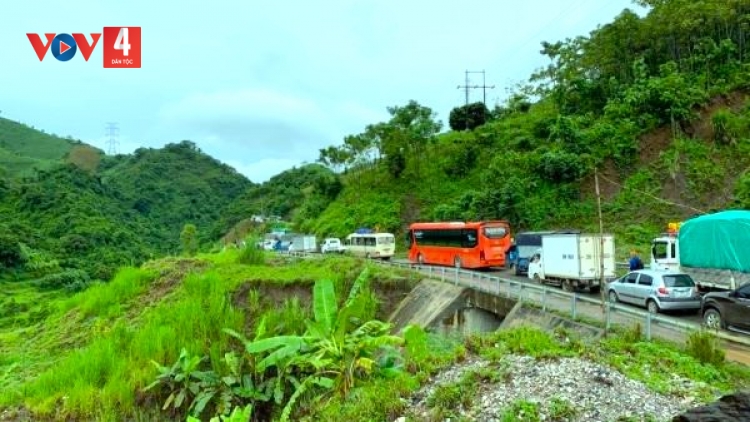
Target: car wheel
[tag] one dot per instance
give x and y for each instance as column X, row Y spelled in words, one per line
column 712, row 319
column 613, row 296
column 652, row 307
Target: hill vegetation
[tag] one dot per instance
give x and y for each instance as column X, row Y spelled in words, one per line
column 24, row 149
column 280, row 338
column 79, row 214
column 656, row 105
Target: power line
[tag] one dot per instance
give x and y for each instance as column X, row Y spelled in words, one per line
column 653, row 196
column 112, row 131
column 567, row 9
column 467, row 87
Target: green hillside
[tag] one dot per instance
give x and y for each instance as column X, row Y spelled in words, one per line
column 88, row 214
column 23, row 148
column 657, row 106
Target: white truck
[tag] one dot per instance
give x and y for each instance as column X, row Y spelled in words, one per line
column 304, row 244
column 574, row 260
column 332, row 245
column 714, row 249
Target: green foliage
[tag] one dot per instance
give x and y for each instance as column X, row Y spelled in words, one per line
column 72, row 280
column 251, row 254
column 189, row 239
column 522, row 411
column 238, row 415
column 336, row 349
column 638, row 111
column 96, row 213
column 468, row 117
column 185, row 383
column 705, row 347
column 24, row 149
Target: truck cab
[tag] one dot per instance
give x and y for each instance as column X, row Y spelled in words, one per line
column 332, row 245
column 665, row 253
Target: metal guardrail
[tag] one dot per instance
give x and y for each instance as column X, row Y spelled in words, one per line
column 444, row 273
column 516, row 288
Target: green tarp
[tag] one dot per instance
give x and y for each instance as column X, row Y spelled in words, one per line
column 720, row 240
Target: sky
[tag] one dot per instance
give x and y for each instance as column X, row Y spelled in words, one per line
column 262, row 86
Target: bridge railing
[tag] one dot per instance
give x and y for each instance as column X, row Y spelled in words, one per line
column 546, row 296
column 522, row 291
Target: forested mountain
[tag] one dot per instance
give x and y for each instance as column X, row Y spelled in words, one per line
column 656, row 105
column 82, row 214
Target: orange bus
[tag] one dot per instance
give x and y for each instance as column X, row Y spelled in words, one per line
column 463, row 245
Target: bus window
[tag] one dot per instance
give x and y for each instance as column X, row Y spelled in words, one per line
column 469, row 239
column 495, row 232
column 385, row 240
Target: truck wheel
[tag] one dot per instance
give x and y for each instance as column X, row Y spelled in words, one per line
column 420, row 259
column 457, row 262
column 712, row 319
column 538, row 279
column 567, row 286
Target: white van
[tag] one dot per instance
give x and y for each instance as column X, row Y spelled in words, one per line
column 372, row 245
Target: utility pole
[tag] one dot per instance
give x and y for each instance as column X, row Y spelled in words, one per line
column 467, row 87
column 601, row 238
column 112, row 143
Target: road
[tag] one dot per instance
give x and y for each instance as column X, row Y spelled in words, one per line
column 588, row 306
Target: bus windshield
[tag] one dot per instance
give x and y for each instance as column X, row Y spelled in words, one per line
column 495, row 232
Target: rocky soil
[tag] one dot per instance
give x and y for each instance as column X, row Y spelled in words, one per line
column 522, row 388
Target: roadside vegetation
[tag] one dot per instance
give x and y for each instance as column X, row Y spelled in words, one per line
column 244, row 331
column 93, row 326
column 657, row 106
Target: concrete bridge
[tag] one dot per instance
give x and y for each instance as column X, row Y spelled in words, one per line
column 447, row 308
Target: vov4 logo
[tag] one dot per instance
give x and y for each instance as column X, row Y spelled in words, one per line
column 122, row 46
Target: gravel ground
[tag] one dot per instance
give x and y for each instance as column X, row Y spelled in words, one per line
column 595, row 392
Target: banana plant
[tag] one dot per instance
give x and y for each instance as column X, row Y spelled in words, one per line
column 238, row 415
column 335, row 350
column 185, row 382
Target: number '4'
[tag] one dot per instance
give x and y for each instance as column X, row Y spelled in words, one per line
column 121, row 43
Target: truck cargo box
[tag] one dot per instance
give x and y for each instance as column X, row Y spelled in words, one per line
column 577, row 256
column 720, row 241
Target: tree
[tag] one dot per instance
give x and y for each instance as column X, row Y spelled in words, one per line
column 469, row 117
column 84, row 157
column 189, row 239
column 411, row 128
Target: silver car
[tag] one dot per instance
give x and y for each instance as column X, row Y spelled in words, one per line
column 656, row 290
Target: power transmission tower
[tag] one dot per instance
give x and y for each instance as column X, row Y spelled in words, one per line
column 484, row 86
column 112, row 143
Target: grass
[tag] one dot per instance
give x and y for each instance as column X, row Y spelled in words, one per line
column 89, row 355
column 23, row 148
